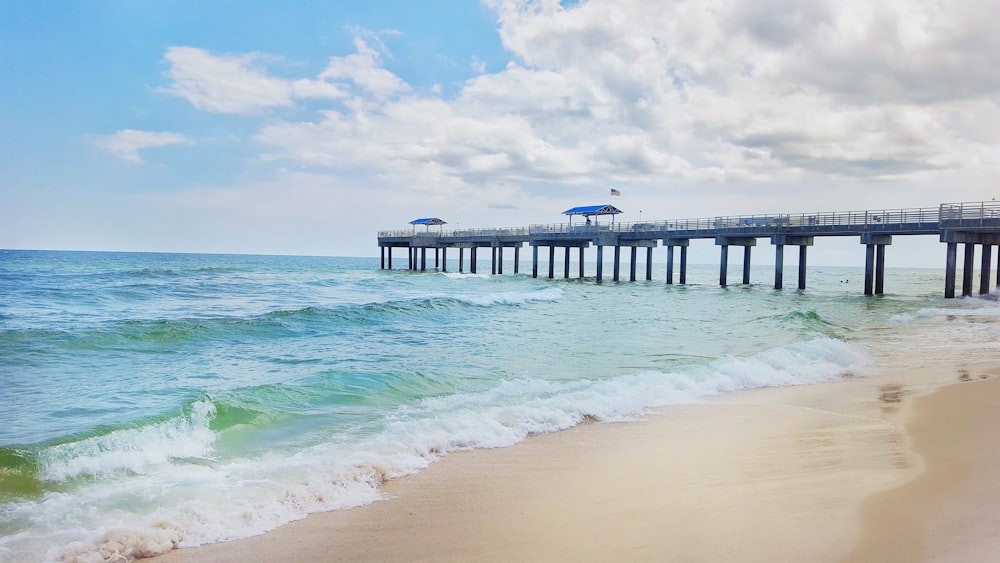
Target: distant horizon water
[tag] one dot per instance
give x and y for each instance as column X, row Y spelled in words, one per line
column 162, row 399
column 906, row 251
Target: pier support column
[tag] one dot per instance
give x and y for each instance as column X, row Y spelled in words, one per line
column 389, row 256
column 493, row 260
column 779, row 265
column 444, row 259
column 381, row 250
column 566, row 264
column 803, row 243
column 552, row 261
column 534, row 261
column 723, row 265
column 517, row 257
column 649, row 263
column 437, row 258
column 970, row 240
column 684, row 265
column 423, row 259
column 473, row 258
column 670, row 243
column 984, row 270
column 670, row 265
column 967, row 268
column 618, row 255
column 500, row 260
column 409, row 258
column 461, row 260
column 581, row 262
column 631, row 265
column 802, row 266
column 725, row 242
column 949, row 270
column 746, row 265
column 600, row 262
column 869, row 268
column 879, row 269
column 875, row 262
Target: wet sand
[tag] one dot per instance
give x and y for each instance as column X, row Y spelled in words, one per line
column 897, row 467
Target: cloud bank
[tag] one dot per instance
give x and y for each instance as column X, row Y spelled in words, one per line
column 646, row 93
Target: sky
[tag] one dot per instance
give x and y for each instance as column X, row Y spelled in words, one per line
column 305, row 127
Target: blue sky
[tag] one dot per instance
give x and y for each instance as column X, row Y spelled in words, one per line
column 305, row 127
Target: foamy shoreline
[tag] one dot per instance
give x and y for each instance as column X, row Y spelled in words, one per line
column 796, row 473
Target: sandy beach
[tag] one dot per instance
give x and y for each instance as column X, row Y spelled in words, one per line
column 894, row 467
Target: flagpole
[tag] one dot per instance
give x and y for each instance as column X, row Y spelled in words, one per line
column 612, row 194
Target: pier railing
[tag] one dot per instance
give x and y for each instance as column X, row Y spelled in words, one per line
column 922, row 219
column 459, row 233
column 974, row 214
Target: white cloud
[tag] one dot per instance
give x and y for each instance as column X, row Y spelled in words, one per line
column 364, row 69
column 233, row 84
column 127, row 143
column 742, row 100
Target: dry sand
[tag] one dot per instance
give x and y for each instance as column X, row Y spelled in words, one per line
column 889, row 468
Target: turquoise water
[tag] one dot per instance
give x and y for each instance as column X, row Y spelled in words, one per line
column 153, row 399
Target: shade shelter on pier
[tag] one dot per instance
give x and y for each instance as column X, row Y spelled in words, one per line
column 589, row 211
column 427, row 222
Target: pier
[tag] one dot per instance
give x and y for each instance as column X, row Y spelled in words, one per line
column 967, row 224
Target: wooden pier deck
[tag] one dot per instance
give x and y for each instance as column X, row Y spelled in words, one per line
column 969, row 224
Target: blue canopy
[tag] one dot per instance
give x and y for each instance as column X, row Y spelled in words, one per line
column 593, row 210
column 428, row 221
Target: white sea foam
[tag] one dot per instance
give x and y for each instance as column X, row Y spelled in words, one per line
column 133, row 449
column 188, row 504
column 974, row 307
column 465, row 276
column 547, row 294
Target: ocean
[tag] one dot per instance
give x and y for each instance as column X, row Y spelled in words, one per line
column 150, row 400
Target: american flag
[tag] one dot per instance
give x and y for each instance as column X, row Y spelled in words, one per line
column 615, row 192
